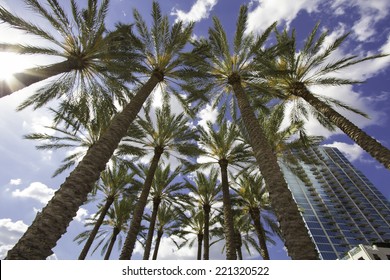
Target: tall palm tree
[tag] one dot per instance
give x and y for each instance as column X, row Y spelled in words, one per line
column 312, row 66
column 225, row 147
column 161, row 49
column 214, row 69
column 163, row 190
column 114, row 181
column 254, row 200
column 116, row 220
column 192, row 224
column 169, row 135
column 167, row 222
column 90, row 69
column 206, row 192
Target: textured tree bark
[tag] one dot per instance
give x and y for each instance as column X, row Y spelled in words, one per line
column 115, row 233
column 206, row 233
column 49, row 225
column 135, row 224
column 200, row 241
column 255, row 215
column 148, row 244
column 157, row 246
column 294, row 232
column 95, row 229
column 365, row 141
column 227, row 213
column 34, row 75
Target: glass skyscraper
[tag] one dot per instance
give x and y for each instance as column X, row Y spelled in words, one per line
column 340, row 206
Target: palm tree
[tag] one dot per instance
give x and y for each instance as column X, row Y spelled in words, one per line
column 213, row 68
column 254, row 200
column 225, row 147
column 167, row 222
column 114, row 181
column 161, row 49
column 312, row 66
column 192, row 224
column 90, row 69
column 206, row 192
column 169, row 135
column 163, row 190
column 116, row 218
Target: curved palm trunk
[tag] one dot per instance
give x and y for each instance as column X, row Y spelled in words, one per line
column 294, row 232
column 148, row 244
column 34, row 75
column 115, row 233
column 206, row 232
column 135, row 225
column 365, row 141
column 200, row 240
column 95, row 229
column 255, row 215
column 50, row 224
column 158, row 240
column 227, row 213
column 238, row 245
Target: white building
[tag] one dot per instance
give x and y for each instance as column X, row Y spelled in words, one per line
column 378, row 251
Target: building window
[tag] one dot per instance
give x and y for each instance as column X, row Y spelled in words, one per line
column 376, row 257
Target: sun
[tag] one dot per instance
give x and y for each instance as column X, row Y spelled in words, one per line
column 11, row 63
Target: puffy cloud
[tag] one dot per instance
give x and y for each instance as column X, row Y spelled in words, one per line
column 37, row 191
column 200, row 10
column 82, row 213
column 351, row 151
column 10, row 232
column 207, row 114
column 15, row 182
column 370, row 12
column 268, row 11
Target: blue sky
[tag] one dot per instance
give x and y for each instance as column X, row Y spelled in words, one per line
column 25, row 173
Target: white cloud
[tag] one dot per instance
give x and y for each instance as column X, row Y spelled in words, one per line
column 370, row 13
column 37, row 191
column 15, row 182
column 82, row 213
column 269, row 11
column 10, row 232
column 200, row 10
column 351, row 151
column 207, row 114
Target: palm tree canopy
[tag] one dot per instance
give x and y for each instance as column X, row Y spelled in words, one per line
column 95, row 68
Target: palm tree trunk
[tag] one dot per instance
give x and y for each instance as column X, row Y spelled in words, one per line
column 34, row 75
column 256, row 218
column 50, row 224
column 115, row 233
column 206, row 233
column 295, row 234
column 156, row 247
column 200, row 240
column 135, row 225
column 95, row 229
column 365, row 141
column 238, row 245
column 148, row 244
column 227, row 213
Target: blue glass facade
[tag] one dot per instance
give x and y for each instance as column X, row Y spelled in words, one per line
column 340, row 206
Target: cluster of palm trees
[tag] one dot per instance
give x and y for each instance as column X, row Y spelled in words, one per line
column 104, row 87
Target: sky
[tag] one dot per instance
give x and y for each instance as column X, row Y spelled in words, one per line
column 26, row 182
